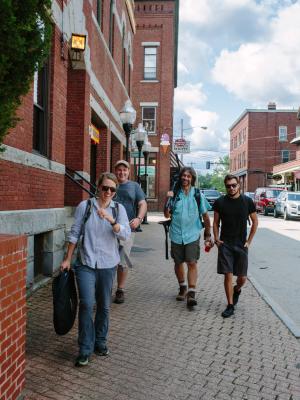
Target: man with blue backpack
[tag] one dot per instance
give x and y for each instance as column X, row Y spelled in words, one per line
column 187, row 206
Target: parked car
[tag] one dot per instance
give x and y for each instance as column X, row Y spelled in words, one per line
column 264, row 199
column 288, row 205
column 211, row 195
column 249, row 194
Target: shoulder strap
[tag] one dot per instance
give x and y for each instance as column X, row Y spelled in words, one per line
column 115, row 210
column 197, row 195
column 86, row 215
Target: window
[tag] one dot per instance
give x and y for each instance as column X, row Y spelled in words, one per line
column 40, row 111
column 285, row 156
column 297, row 131
column 149, row 118
column 235, row 142
column 111, row 27
column 282, row 134
column 240, row 138
column 99, row 12
column 150, row 55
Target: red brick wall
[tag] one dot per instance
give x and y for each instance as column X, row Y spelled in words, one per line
column 12, row 315
column 69, row 117
column 155, row 23
column 29, row 188
column 263, row 149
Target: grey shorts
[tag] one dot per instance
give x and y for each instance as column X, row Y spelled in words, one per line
column 125, row 250
column 233, row 258
column 185, row 252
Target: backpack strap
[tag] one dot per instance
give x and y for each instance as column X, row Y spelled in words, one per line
column 86, row 216
column 115, row 211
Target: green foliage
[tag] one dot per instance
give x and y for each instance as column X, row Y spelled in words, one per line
column 216, row 179
column 25, row 30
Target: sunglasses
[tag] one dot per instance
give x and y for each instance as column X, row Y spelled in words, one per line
column 233, row 185
column 107, row 188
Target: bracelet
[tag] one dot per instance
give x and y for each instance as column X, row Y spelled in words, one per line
column 113, row 223
column 141, row 219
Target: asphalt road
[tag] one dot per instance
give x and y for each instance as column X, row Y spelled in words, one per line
column 274, row 267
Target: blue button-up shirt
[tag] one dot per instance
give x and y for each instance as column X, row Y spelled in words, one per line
column 100, row 248
column 186, row 226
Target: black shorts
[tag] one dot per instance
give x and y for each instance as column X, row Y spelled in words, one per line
column 233, row 258
column 189, row 252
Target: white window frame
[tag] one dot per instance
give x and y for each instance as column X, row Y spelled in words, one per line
column 145, row 77
column 282, row 133
column 145, row 120
column 282, row 158
column 298, row 131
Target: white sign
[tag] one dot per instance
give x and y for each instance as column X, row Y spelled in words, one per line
column 181, row 146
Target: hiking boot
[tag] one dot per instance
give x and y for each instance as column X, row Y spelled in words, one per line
column 236, row 295
column 101, row 351
column 190, row 299
column 119, row 299
column 228, row 312
column 182, row 293
column 81, row 361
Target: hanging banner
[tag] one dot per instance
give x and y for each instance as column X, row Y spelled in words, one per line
column 94, row 133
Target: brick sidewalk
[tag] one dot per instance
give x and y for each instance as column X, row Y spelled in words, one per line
column 162, row 351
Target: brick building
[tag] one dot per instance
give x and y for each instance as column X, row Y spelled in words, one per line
column 154, row 80
column 260, row 139
column 70, row 119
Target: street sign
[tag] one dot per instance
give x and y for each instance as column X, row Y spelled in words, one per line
column 181, row 146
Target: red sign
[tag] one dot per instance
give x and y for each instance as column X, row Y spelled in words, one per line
column 180, row 142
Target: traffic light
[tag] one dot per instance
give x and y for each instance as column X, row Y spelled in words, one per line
column 207, row 164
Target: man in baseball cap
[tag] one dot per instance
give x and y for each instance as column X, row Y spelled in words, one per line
column 131, row 196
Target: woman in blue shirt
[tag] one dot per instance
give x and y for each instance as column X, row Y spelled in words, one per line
column 99, row 256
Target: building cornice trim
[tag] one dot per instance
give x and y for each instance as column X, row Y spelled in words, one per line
column 27, row 159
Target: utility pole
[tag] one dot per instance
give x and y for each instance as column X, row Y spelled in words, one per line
column 181, row 125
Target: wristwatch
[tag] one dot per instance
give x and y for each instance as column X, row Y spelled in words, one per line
column 113, row 223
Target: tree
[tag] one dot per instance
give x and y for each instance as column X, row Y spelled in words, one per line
column 219, row 173
column 25, row 30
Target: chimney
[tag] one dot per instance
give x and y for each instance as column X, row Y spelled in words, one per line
column 271, row 105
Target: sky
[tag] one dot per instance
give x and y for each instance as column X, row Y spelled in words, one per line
column 233, row 55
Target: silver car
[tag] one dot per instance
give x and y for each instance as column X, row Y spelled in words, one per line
column 288, row 205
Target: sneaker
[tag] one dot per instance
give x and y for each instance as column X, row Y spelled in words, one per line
column 119, row 299
column 182, row 293
column 228, row 312
column 236, row 295
column 101, row 351
column 191, row 301
column 81, row 360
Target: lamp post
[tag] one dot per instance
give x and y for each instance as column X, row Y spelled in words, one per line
column 140, row 136
column 127, row 116
column 146, row 151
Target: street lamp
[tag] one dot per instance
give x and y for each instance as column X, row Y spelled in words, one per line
column 140, row 137
column 127, row 116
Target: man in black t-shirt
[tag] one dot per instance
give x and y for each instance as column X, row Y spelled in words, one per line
column 233, row 211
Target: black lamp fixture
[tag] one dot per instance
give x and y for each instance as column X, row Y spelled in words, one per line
column 127, row 116
column 140, row 135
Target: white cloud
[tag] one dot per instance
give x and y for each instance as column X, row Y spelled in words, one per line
column 182, row 68
column 266, row 70
column 189, row 95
